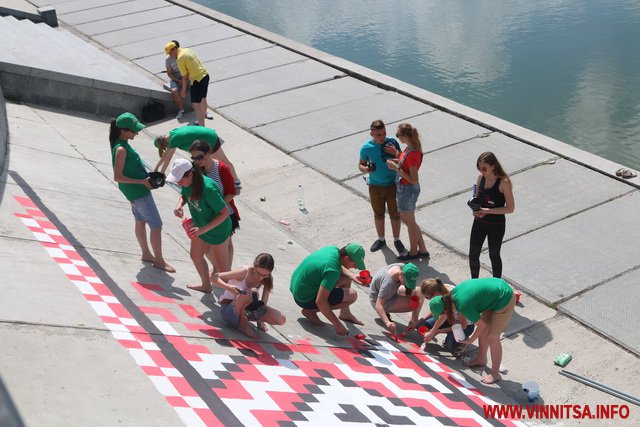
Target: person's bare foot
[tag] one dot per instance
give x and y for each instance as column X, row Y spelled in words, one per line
column 312, row 316
column 350, row 318
column 166, row 267
column 200, row 288
column 145, row 259
column 262, row 326
column 491, row 378
column 248, row 331
column 475, row 363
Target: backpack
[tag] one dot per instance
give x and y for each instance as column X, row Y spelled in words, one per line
column 153, row 111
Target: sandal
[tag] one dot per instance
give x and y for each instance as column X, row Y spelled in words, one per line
column 626, row 173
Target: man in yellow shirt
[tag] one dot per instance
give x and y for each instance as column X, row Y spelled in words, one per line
column 192, row 69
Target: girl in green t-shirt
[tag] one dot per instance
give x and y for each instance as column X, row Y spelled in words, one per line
column 182, row 138
column 211, row 224
column 131, row 176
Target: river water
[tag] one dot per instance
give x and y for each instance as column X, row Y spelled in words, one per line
column 567, row 69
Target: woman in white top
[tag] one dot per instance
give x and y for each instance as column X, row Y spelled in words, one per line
column 239, row 286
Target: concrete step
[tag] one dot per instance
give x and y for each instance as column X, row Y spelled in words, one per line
column 13, row 47
column 57, row 49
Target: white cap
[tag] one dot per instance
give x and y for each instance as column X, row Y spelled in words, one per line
column 179, row 168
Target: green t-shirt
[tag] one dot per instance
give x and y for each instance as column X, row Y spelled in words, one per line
column 184, row 136
column 474, row 296
column 320, row 268
column 204, row 210
column 133, row 168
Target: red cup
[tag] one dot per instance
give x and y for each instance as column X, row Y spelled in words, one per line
column 414, row 302
column 365, row 277
column 187, row 224
column 422, row 330
column 518, row 295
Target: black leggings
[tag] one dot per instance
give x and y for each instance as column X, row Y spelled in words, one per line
column 494, row 234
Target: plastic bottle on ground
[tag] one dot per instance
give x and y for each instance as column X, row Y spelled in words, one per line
column 458, row 333
column 301, row 205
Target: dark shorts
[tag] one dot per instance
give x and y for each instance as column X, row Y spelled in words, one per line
column 235, row 223
column 383, row 199
column 199, row 89
column 335, row 297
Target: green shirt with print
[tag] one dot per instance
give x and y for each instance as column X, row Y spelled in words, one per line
column 133, row 168
column 204, row 210
column 320, row 268
column 474, row 296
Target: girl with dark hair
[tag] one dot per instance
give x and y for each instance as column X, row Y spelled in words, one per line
column 211, row 224
column 239, row 286
column 131, row 176
column 221, row 174
column 496, row 199
column 406, row 165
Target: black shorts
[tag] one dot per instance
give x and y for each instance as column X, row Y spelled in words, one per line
column 199, row 89
column 335, row 297
column 235, row 223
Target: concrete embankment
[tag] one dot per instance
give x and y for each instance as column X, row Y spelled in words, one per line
column 291, row 120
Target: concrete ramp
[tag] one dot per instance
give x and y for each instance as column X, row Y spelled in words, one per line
column 66, row 71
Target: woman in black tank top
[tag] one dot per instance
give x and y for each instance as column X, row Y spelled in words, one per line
column 496, row 199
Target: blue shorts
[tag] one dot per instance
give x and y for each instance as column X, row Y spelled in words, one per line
column 335, row 297
column 407, row 196
column 229, row 314
column 145, row 209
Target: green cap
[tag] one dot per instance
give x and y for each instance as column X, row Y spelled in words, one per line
column 436, row 305
column 356, row 253
column 129, row 121
column 410, row 273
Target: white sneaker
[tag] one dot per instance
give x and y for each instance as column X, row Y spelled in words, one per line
column 180, row 115
column 208, row 115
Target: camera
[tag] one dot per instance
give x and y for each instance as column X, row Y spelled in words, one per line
column 474, row 204
column 156, row 179
column 370, row 166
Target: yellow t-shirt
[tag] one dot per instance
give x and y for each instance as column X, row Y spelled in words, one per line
column 190, row 65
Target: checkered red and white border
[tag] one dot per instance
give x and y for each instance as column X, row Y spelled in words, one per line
column 124, row 328
column 247, row 393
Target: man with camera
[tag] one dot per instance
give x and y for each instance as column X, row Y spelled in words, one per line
column 382, row 183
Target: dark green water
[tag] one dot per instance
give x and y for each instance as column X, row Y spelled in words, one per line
column 567, row 69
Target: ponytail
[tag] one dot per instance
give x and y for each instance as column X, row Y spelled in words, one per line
column 162, row 143
column 114, row 133
column 197, row 184
column 448, row 308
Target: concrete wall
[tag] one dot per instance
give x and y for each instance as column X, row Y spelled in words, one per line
column 66, row 92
